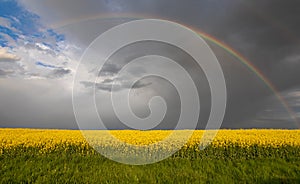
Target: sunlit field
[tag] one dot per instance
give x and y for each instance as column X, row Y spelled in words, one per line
column 243, row 156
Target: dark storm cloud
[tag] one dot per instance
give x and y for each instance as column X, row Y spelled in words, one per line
column 108, row 81
column 60, row 72
column 275, row 115
column 140, row 84
column 34, row 103
column 4, row 73
column 265, row 32
column 110, row 69
column 101, row 86
column 107, row 84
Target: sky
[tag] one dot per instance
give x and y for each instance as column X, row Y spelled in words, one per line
column 41, row 43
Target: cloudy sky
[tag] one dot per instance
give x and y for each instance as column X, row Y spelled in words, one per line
column 41, row 43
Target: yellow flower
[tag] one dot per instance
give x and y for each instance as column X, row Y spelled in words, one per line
column 50, row 140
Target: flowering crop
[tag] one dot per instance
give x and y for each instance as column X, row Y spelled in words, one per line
column 51, row 140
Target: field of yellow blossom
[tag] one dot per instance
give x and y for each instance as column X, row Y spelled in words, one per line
column 53, row 139
column 63, row 156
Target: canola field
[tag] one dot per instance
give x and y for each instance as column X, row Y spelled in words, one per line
column 65, row 156
column 55, row 139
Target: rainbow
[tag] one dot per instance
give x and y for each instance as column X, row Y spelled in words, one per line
column 206, row 37
column 252, row 68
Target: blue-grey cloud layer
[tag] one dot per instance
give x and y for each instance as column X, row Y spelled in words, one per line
column 41, row 43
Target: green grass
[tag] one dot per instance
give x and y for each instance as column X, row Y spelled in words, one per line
column 214, row 165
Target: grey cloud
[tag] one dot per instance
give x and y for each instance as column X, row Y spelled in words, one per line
column 274, row 114
column 265, row 32
column 58, row 73
column 34, row 103
column 100, row 86
column 140, row 84
column 4, row 73
column 107, row 81
column 294, row 59
column 12, row 69
column 107, row 84
column 41, row 47
column 110, row 69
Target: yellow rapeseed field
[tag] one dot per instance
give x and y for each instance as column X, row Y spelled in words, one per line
column 56, row 139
